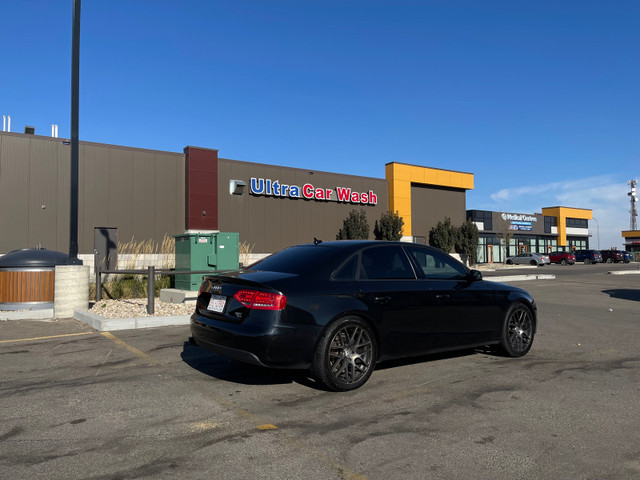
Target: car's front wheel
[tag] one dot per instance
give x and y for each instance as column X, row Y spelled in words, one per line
column 587, row 261
column 563, row 261
column 518, row 331
column 533, row 262
column 346, row 354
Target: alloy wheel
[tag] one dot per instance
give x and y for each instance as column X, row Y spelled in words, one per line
column 520, row 330
column 350, row 354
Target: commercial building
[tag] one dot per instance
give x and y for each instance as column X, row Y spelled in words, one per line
column 148, row 195
column 632, row 243
column 504, row 234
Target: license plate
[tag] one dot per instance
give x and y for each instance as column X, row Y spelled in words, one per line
column 216, row 304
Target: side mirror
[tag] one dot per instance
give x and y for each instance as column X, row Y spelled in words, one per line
column 475, row 275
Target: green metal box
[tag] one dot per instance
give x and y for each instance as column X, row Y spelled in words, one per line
column 205, row 251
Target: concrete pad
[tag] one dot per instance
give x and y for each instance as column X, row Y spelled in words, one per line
column 176, row 295
column 103, row 324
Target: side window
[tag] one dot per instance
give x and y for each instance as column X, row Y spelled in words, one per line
column 348, row 270
column 385, row 263
column 437, row 266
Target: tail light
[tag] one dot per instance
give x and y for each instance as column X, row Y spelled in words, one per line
column 257, row 300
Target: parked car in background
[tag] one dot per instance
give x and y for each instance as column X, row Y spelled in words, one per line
column 563, row 258
column 626, row 256
column 612, row 256
column 338, row 308
column 528, row 258
column 588, row 256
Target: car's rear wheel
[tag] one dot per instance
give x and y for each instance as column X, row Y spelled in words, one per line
column 533, row 262
column 609, row 260
column 346, row 354
column 587, row 261
column 518, row 331
column 563, row 261
column 509, row 262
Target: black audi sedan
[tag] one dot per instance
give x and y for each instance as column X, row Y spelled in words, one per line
column 337, row 308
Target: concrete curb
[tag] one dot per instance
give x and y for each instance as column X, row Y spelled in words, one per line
column 625, row 272
column 103, row 324
column 44, row 314
column 520, row 278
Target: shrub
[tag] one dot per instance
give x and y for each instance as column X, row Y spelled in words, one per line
column 389, row 228
column 354, row 227
column 467, row 243
column 444, row 236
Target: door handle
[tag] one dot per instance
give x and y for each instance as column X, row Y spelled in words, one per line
column 384, row 299
column 444, row 296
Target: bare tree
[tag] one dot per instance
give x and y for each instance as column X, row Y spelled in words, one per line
column 504, row 234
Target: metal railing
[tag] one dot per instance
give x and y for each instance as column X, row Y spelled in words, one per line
column 151, row 273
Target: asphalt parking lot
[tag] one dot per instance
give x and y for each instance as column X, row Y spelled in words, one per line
column 80, row 404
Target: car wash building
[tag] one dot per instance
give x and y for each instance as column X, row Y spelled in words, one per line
column 505, row 234
column 145, row 194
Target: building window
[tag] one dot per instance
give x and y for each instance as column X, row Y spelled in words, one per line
column 577, row 223
column 550, row 222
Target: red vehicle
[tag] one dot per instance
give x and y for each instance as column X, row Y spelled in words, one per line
column 563, row 258
column 612, row 256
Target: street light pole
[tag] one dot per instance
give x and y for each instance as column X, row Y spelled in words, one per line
column 598, row 230
column 75, row 83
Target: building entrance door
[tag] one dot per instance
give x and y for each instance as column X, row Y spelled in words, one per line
column 490, row 253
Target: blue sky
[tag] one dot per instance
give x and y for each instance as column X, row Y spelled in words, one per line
column 538, row 99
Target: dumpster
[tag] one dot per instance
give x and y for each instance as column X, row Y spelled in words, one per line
column 205, row 251
column 27, row 278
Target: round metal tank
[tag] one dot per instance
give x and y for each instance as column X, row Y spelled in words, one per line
column 27, row 278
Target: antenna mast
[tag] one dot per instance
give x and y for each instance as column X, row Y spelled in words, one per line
column 633, row 199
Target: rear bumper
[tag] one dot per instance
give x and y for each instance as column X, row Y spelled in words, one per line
column 267, row 345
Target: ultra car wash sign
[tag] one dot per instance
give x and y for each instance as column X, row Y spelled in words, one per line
column 274, row 188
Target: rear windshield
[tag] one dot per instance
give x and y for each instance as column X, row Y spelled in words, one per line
column 297, row 260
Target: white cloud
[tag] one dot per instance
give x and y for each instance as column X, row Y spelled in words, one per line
column 606, row 195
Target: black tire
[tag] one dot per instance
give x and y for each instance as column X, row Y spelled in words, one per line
column 346, row 355
column 533, row 262
column 587, row 261
column 563, row 261
column 518, row 331
column 509, row 262
column 609, row 260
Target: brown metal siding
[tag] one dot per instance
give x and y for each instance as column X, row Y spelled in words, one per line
column 272, row 223
column 430, row 205
column 43, row 168
column 14, row 191
column 141, row 192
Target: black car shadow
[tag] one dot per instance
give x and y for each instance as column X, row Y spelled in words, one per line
column 430, row 357
column 233, row 371
column 624, row 294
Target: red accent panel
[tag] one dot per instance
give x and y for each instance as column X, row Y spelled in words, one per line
column 201, row 189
